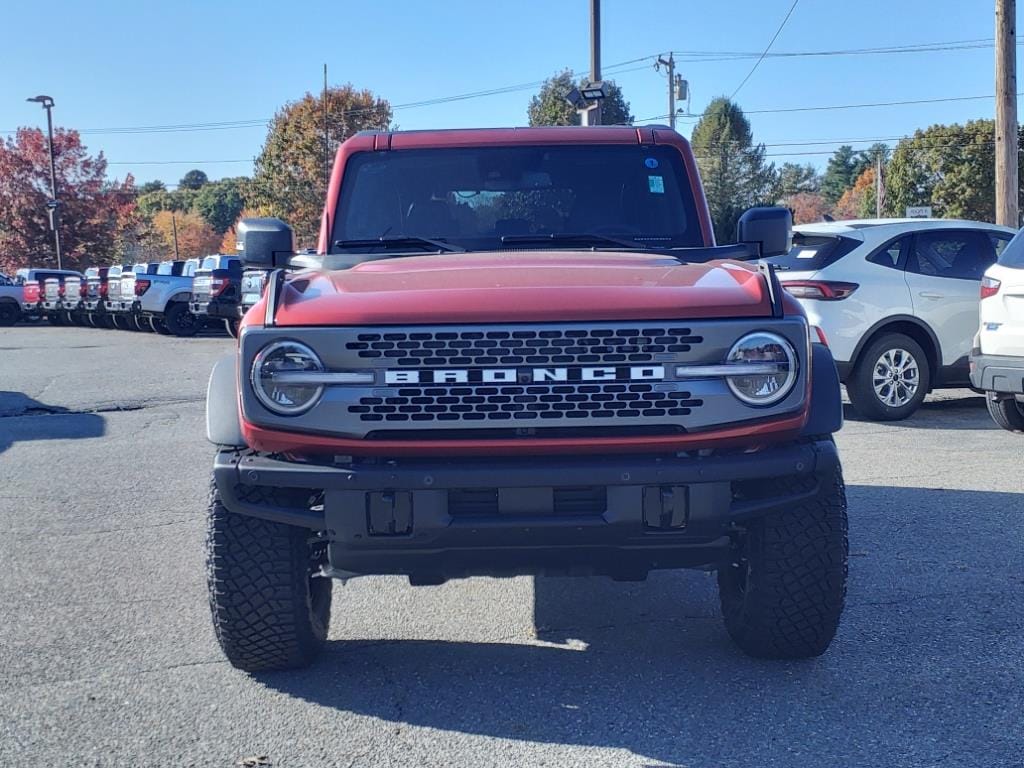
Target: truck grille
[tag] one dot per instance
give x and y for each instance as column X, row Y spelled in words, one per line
column 525, row 403
column 598, row 346
column 201, row 288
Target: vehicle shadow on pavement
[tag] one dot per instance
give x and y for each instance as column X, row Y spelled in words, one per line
column 959, row 413
column 648, row 667
column 22, row 418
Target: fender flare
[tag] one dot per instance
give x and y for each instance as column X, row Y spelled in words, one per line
column 222, row 423
column 898, row 319
column 180, row 296
column 826, row 409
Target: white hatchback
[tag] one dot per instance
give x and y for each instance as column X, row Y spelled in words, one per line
column 997, row 360
column 897, row 300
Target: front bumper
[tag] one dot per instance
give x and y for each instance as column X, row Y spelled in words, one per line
column 997, row 373
column 612, row 515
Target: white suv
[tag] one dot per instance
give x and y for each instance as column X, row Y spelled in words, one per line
column 897, row 300
column 997, row 360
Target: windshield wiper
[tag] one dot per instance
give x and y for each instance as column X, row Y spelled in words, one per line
column 565, row 238
column 400, row 243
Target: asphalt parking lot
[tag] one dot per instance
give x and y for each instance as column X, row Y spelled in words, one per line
column 107, row 656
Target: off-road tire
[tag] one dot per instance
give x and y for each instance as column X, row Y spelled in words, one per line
column 269, row 611
column 1007, row 413
column 10, row 313
column 860, row 386
column 783, row 596
column 180, row 321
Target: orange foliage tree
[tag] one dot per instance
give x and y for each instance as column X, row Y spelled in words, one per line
column 195, row 236
column 858, row 202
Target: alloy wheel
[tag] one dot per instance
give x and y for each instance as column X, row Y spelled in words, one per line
column 896, row 377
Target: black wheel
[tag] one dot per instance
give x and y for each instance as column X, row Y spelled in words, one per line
column 1007, row 413
column 55, row 318
column 890, row 380
column 269, row 609
column 784, row 594
column 180, row 321
column 231, row 326
column 121, row 322
column 78, row 318
column 159, row 326
column 10, row 313
column 138, row 323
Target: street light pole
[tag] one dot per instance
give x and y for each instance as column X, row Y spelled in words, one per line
column 593, row 115
column 52, row 206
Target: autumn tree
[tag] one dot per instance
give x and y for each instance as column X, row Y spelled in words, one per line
column 949, row 167
column 549, row 107
column 89, row 204
column 289, row 178
column 195, row 236
column 858, row 202
column 735, row 173
column 807, row 207
column 229, row 242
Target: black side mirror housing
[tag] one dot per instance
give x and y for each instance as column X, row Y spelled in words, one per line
column 770, row 228
column 265, row 243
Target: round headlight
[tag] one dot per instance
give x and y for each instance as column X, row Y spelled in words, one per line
column 776, row 359
column 273, row 377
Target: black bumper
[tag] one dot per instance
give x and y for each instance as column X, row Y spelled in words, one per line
column 620, row 516
column 204, row 305
column 998, row 373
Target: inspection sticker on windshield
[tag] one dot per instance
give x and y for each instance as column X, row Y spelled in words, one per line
column 656, row 184
column 651, row 162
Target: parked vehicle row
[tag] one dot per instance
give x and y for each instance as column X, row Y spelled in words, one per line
column 898, row 301
column 154, row 296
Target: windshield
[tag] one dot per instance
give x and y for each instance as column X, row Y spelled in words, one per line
column 473, row 197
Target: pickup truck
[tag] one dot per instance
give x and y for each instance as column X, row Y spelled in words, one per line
column 114, row 307
column 523, row 353
column 161, row 298
column 12, row 295
column 127, row 304
column 217, row 291
column 27, row 289
column 73, row 297
column 94, row 302
column 53, row 297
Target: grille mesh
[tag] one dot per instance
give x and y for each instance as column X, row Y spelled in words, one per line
column 524, row 403
column 526, row 347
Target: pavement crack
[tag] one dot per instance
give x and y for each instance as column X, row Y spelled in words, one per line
column 139, row 405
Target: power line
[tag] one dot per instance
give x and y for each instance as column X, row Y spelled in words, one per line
column 768, row 48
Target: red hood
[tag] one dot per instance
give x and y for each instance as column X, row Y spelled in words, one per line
column 530, row 287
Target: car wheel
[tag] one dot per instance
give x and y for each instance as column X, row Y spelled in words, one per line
column 120, row 322
column 1007, row 412
column 180, row 321
column 783, row 595
column 55, row 318
column 10, row 313
column 159, row 326
column 890, row 380
column 270, row 608
column 231, row 325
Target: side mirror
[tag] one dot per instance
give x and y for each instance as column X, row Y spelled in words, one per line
column 264, row 243
column 771, row 228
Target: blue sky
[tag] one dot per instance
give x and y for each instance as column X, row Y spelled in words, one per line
column 112, row 64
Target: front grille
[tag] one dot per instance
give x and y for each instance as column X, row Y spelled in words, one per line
column 525, row 403
column 485, row 502
column 570, row 346
column 201, row 289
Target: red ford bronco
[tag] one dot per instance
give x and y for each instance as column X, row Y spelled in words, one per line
column 522, row 353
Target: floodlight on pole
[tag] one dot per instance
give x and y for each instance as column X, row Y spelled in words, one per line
column 53, row 204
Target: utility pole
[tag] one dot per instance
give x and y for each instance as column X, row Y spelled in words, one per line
column 174, row 228
column 593, row 115
column 1007, row 212
column 670, row 64
column 52, row 204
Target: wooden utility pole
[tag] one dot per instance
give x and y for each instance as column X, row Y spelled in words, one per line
column 670, row 65
column 1007, row 212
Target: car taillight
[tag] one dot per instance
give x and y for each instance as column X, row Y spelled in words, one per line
column 821, row 334
column 141, row 286
column 103, row 290
column 989, row 287
column 822, row 290
column 31, row 292
column 60, row 290
column 83, row 290
column 218, row 285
